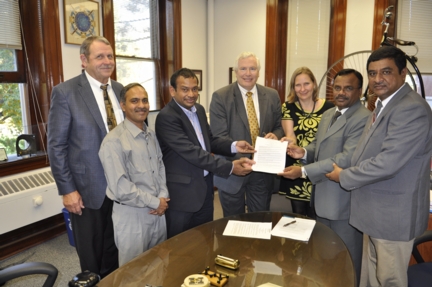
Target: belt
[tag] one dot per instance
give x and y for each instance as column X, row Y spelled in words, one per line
column 119, row 202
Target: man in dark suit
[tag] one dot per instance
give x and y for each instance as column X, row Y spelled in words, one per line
column 336, row 139
column 187, row 143
column 76, row 127
column 230, row 119
column 389, row 173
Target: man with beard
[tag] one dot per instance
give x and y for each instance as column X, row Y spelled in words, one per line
column 132, row 160
column 336, row 139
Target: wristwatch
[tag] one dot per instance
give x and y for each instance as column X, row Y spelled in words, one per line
column 304, row 175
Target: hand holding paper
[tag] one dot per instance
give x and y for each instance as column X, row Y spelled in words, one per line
column 242, row 166
column 295, row 151
column 244, row 147
column 269, row 156
column 291, row 172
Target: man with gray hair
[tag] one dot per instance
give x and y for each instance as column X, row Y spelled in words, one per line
column 135, row 172
column 83, row 110
column 245, row 110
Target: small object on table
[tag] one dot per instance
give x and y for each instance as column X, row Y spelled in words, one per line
column 227, row 262
column 196, row 280
column 289, row 223
column 216, row 279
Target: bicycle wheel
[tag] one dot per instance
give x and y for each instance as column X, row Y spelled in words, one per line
column 357, row 61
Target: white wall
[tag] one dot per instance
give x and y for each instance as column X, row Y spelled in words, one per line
column 359, row 25
column 240, row 25
column 194, row 41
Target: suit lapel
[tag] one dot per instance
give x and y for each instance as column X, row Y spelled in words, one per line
column 323, row 129
column 202, row 118
column 184, row 118
column 263, row 103
column 86, row 93
column 370, row 129
column 240, row 107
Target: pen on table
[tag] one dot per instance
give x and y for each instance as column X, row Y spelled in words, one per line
column 289, row 223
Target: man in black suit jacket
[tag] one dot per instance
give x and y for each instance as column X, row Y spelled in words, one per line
column 187, row 143
column 77, row 125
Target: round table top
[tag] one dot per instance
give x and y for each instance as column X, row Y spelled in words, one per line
column 322, row 261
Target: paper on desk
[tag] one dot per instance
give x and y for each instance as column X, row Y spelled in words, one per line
column 248, row 229
column 300, row 230
column 270, row 155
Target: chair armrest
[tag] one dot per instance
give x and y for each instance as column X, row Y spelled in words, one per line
column 425, row 237
column 29, row 269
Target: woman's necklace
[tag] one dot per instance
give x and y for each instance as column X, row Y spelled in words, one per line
column 303, row 112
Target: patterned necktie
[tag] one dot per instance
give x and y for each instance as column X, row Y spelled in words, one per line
column 252, row 118
column 335, row 117
column 376, row 111
column 111, row 120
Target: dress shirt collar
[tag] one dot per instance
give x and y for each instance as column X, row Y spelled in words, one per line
column 244, row 91
column 133, row 129
column 95, row 83
column 342, row 111
column 192, row 110
column 387, row 100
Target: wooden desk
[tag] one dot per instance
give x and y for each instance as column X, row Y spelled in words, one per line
column 323, row 261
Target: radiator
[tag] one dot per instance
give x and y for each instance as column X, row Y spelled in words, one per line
column 28, row 197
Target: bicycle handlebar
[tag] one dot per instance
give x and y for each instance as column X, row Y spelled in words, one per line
column 402, row 42
column 385, row 39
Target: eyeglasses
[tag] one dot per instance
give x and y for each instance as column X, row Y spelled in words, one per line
column 348, row 89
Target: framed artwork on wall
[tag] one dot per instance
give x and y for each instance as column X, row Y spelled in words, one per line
column 81, row 20
column 198, row 73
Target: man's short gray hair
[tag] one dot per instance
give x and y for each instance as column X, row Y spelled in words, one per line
column 245, row 55
column 85, row 46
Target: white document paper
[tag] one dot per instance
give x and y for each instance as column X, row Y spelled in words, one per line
column 259, row 230
column 300, row 230
column 270, row 155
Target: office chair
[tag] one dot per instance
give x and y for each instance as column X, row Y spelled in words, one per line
column 420, row 274
column 30, row 268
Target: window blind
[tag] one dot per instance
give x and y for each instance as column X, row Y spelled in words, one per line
column 10, row 33
column 414, row 24
column 308, row 36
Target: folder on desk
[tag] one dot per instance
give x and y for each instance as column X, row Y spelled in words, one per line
column 300, row 230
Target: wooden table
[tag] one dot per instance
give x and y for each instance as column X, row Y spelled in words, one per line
column 323, row 261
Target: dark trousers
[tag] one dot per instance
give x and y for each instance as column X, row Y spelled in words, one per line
column 303, row 208
column 94, row 239
column 179, row 221
column 255, row 193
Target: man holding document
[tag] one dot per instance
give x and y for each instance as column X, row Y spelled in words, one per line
column 336, row 140
column 245, row 110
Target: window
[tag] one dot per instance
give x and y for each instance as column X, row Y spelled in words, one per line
column 308, row 36
column 137, row 44
column 414, row 22
column 35, row 75
column 13, row 119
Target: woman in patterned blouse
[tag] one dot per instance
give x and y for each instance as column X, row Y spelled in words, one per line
column 301, row 115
